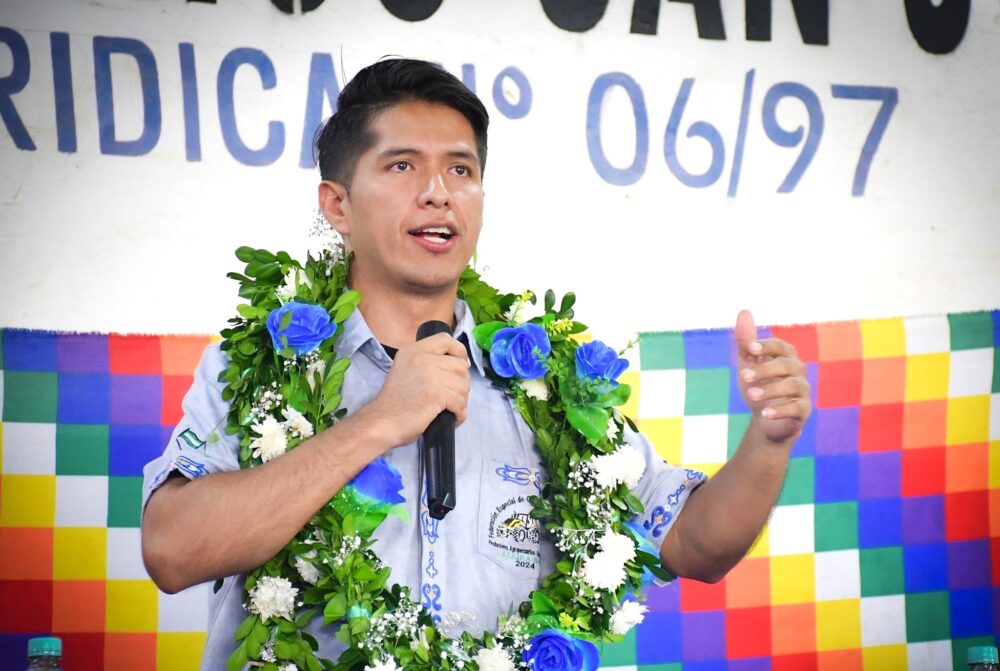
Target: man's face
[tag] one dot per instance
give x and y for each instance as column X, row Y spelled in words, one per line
column 415, row 207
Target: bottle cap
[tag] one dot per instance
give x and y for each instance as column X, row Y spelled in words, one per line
column 46, row 646
column 983, row 654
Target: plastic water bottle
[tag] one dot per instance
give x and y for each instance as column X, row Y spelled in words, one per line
column 45, row 653
column 983, row 658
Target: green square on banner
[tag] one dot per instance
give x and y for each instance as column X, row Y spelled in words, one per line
column 927, row 617
column 30, row 396
column 738, row 424
column 836, row 526
column 124, row 501
column 706, row 391
column 996, row 370
column 971, row 330
column 800, row 482
column 881, row 571
column 674, row 666
column 81, row 449
column 960, row 649
column 658, row 351
column 620, row 654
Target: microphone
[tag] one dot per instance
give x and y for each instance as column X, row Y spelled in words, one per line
column 438, row 446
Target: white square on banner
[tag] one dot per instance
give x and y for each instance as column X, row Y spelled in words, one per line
column 662, row 393
column 81, row 500
column 185, row 611
column 883, row 620
column 792, row 530
column 29, row 448
column 125, row 554
column 928, row 656
column 838, row 575
column 705, row 439
column 971, row 372
column 927, row 335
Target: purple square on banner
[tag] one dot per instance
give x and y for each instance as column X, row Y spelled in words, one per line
column 82, row 353
column 665, row 598
column 923, row 519
column 751, row 664
column 837, row 430
column 880, row 475
column 969, row 564
column 703, row 635
column 135, row 399
column 166, row 432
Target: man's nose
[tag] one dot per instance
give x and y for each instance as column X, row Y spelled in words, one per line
column 435, row 192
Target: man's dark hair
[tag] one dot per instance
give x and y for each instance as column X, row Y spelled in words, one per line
column 347, row 134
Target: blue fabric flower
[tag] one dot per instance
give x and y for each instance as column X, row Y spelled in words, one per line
column 380, row 481
column 597, row 361
column 309, row 326
column 552, row 650
column 520, row 351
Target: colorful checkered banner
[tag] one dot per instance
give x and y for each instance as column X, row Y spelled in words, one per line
column 883, row 552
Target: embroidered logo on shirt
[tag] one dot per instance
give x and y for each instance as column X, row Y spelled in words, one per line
column 519, row 475
column 659, row 518
column 514, row 536
column 189, row 466
column 189, row 439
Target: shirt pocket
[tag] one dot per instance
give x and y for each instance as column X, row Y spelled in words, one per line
column 507, row 534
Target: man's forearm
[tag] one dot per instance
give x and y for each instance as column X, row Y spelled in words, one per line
column 227, row 523
column 722, row 518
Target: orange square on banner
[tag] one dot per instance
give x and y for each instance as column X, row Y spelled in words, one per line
column 840, row 660
column 78, row 605
column 793, row 628
column 135, row 354
column 749, row 583
column 839, row 341
column 966, row 467
column 179, row 355
column 135, row 652
column 25, row 553
column 883, row 380
column 802, row 338
column 925, row 423
column 174, row 387
column 880, row 428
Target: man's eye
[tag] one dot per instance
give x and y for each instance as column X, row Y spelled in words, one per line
column 461, row 170
column 400, row 165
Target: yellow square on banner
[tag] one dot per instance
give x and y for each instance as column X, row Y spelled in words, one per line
column 793, row 579
column 884, row 658
column 968, row 420
column 838, row 624
column 28, row 500
column 79, row 553
column 882, row 337
column 762, row 546
column 131, row 606
column 631, row 407
column 927, row 376
column 666, row 434
column 179, row 651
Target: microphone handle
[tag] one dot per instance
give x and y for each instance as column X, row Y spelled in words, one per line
column 439, row 455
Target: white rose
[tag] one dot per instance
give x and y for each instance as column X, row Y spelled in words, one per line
column 272, row 441
column 494, row 659
column 273, row 597
column 627, row 616
column 536, row 389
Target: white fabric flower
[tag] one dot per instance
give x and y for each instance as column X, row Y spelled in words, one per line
column 273, row 597
column 272, row 441
column 633, row 465
column 604, row 571
column 306, row 569
column 293, row 278
column 612, row 431
column 297, row 422
column 609, row 469
column 627, row 616
column 536, row 389
column 617, row 545
column 494, row 659
column 290, row 666
column 384, row 665
column 315, row 372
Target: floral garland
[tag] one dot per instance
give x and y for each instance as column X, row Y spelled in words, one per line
column 284, row 384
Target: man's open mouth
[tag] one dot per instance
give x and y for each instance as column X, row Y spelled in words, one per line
column 437, row 234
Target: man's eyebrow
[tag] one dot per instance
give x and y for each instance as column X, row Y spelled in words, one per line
column 392, row 152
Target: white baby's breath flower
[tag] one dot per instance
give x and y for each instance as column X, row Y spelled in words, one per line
column 609, row 469
column 384, row 665
column 314, row 373
column 617, row 545
column 273, row 597
column 535, row 389
column 633, row 465
column 267, row 653
column 494, row 659
column 627, row 616
column 272, row 441
column 297, row 422
column 306, row 569
column 604, row 571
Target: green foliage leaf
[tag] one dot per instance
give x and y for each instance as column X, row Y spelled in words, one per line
column 244, row 254
column 238, row 659
column 542, row 605
column 336, row 608
column 590, row 420
column 483, row 333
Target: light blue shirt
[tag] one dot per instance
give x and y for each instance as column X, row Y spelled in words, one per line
column 483, row 559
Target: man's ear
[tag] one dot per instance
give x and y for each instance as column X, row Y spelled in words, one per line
column 335, row 207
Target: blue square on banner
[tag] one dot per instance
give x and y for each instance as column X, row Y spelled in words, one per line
column 29, row 350
column 84, row 398
column 837, row 430
column 836, row 477
column 925, row 567
column 805, row 444
column 706, row 665
column 82, row 353
column 996, row 328
column 879, row 523
column 658, row 640
column 132, row 446
column 136, row 399
column 880, row 474
column 971, row 614
column 707, row 349
column 703, row 635
column 737, row 405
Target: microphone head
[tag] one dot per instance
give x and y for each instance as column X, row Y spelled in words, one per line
column 433, row 327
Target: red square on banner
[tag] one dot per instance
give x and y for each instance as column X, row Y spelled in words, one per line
column 881, row 428
column 27, row 606
column 748, row 632
column 923, row 471
column 994, row 513
column 136, row 354
column 839, row 383
column 696, row 595
column 966, row 515
column 803, row 338
column 135, row 652
column 82, row 652
column 174, row 388
column 803, row 662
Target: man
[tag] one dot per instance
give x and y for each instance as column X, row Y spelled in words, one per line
column 402, row 164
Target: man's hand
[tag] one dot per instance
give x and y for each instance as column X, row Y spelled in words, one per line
column 772, row 381
column 427, row 377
